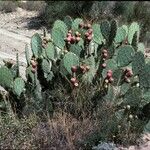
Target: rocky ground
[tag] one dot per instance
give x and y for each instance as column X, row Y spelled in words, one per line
column 16, row 29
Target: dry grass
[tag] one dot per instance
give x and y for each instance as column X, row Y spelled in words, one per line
column 62, row 132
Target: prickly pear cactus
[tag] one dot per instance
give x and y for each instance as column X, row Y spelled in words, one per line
column 104, row 56
column 6, row 77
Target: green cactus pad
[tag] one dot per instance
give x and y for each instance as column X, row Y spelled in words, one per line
column 75, row 24
column 46, row 66
column 81, row 43
column 124, row 88
column 28, row 57
column 36, row 45
column 138, row 63
column 111, row 51
column 69, row 60
column 58, row 24
column 125, row 28
column 58, row 38
column 141, row 47
column 134, row 27
column 98, row 38
column 68, row 21
column 88, row 76
column 50, row 51
column 76, row 49
column 125, row 55
column 120, row 35
column 113, row 31
column 6, row 77
column 18, row 86
column 133, row 96
column 117, row 75
column 144, row 76
column 135, row 41
column 105, row 29
column 29, row 74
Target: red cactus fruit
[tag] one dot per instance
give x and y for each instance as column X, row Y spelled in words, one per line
column 129, row 74
column 109, row 75
column 87, row 34
column 73, row 80
column 34, row 64
column 104, row 51
column 109, row 71
column 89, row 25
column 68, row 39
column 74, row 68
column 78, row 39
column 127, row 70
column 104, row 65
column 111, row 79
column 90, row 31
column 33, row 70
column 81, row 25
column 105, row 55
column 87, row 68
column 89, row 38
column 69, row 34
column 83, row 69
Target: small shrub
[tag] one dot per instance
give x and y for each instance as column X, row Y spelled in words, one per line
column 8, row 6
column 33, row 5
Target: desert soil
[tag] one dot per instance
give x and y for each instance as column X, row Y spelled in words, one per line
column 16, row 29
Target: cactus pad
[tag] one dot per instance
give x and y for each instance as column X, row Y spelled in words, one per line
column 98, row 38
column 18, row 86
column 120, row 35
column 138, row 63
column 125, row 55
column 58, row 37
column 105, row 29
column 144, row 76
column 134, row 27
column 46, row 66
column 36, row 45
column 69, row 60
column 6, row 77
column 58, row 24
column 50, row 51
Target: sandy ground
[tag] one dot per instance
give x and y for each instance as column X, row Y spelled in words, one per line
column 16, row 30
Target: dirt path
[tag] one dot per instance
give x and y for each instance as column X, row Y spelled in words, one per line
column 15, row 33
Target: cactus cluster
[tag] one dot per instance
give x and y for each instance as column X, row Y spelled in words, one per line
column 12, row 82
column 79, row 52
